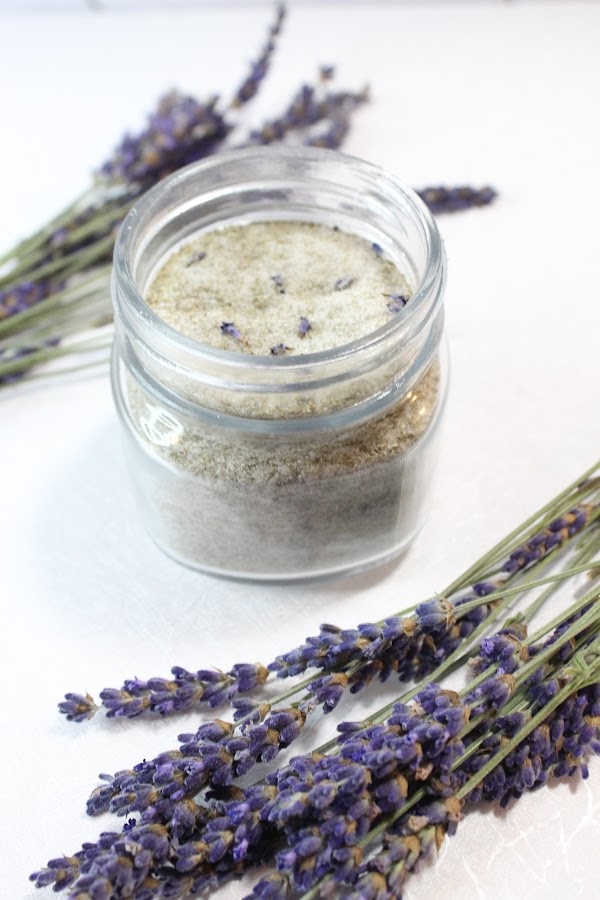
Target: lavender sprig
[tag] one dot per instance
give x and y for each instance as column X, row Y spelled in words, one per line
column 408, row 646
column 400, row 643
column 259, row 68
column 456, row 199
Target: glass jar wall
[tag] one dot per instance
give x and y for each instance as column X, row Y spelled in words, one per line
column 281, row 467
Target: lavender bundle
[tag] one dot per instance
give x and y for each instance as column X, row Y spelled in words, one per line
column 355, row 816
column 54, row 285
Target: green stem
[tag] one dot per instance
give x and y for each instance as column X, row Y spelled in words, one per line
column 584, row 555
column 23, row 363
column 519, row 589
column 75, row 262
column 97, row 279
column 47, row 230
column 32, row 263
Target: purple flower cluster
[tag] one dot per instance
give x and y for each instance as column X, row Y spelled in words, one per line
column 311, row 107
column 448, row 200
column 168, row 695
column 549, row 538
column 181, row 130
column 404, row 847
column 314, row 816
column 558, row 747
column 315, row 810
column 19, row 297
column 304, row 327
column 325, row 806
column 438, row 619
column 78, row 707
column 230, row 329
column 214, row 755
column 505, row 650
column 259, row 68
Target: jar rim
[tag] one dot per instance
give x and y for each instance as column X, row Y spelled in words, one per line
column 141, row 311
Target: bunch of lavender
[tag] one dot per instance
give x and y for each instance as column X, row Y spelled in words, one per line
column 359, row 813
column 357, row 818
column 54, row 285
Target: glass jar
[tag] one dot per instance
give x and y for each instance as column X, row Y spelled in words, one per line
column 281, row 467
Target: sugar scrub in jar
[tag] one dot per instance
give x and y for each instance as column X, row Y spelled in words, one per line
column 278, row 364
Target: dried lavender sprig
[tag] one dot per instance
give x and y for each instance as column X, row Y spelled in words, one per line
column 260, row 67
column 394, row 639
column 183, row 691
column 456, row 199
column 309, row 107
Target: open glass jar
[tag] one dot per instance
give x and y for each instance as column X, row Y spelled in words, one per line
column 281, row 467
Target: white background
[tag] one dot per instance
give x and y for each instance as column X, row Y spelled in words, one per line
column 501, row 93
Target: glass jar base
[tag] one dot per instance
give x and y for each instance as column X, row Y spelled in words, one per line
column 300, row 577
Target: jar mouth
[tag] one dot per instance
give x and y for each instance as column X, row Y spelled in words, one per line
column 271, row 161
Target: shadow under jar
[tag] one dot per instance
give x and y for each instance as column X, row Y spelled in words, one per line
column 291, row 465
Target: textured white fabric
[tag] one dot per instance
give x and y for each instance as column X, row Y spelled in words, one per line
column 496, row 93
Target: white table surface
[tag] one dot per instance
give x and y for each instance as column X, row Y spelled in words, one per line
column 501, row 93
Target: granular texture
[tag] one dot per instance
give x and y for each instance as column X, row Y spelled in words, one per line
column 277, row 288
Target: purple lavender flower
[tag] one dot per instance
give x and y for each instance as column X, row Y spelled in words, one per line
column 308, row 109
column 230, row 329
column 214, row 755
column 492, row 694
column 505, row 650
column 260, row 67
column 343, row 283
column 278, row 282
column 19, row 297
column 181, row 692
column 396, row 302
column 77, row 707
column 447, row 200
column 327, row 691
column 196, row 258
column 304, row 326
column 549, row 538
column 405, row 846
column 279, row 349
column 558, row 747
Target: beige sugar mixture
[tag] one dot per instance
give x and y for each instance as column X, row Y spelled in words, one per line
column 274, row 288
